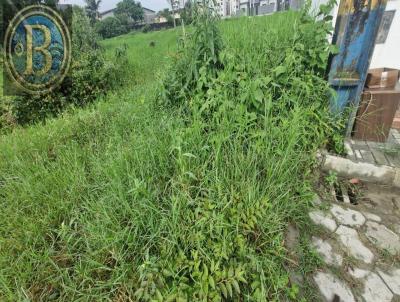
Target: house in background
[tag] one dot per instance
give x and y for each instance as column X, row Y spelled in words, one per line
column 149, row 15
column 231, row 8
column 160, row 19
column 267, row 7
column 227, row 8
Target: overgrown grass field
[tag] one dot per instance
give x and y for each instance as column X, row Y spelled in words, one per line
column 134, row 200
column 145, row 59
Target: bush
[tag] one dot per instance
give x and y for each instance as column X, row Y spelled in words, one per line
column 6, row 118
column 199, row 56
column 146, row 28
column 7, row 121
column 110, row 27
column 84, row 36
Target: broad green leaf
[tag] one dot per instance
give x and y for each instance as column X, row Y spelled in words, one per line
column 236, row 286
column 223, row 289
column 280, row 70
column 258, row 94
column 211, row 281
column 229, row 288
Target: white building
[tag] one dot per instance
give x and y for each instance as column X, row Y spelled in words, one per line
column 227, row 8
column 264, row 7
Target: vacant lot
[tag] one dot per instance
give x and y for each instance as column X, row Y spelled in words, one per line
column 130, row 199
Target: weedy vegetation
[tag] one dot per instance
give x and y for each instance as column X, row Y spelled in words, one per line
column 179, row 186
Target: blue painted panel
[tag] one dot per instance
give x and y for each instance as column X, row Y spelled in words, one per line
column 355, row 32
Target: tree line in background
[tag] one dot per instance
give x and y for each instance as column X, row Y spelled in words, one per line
column 127, row 11
column 127, row 14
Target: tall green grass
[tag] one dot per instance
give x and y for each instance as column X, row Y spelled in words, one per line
column 256, row 114
column 130, row 200
column 145, row 60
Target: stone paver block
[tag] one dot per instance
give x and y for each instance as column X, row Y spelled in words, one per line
column 347, row 217
column 325, row 249
column 330, row 286
column 372, row 217
column 376, row 290
column 397, row 228
column 359, row 145
column 392, row 279
column 376, row 145
column 380, row 157
column 384, row 238
column 358, row 154
column 324, row 219
column 367, row 156
column 354, row 246
column 358, row 273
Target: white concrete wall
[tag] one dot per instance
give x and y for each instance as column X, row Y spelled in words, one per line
column 388, row 54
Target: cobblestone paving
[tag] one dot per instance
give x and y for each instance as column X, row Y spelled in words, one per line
column 360, row 245
column 387, row 154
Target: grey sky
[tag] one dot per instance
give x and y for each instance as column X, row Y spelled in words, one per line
column 109, row 4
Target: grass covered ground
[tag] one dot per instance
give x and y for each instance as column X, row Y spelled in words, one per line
column 131, row 200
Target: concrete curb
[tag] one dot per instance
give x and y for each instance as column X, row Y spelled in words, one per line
column 368, row 172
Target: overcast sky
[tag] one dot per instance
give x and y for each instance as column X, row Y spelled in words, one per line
column 109, row 4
